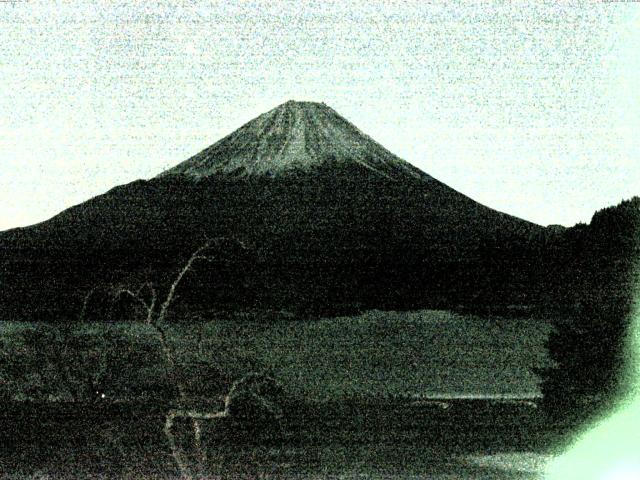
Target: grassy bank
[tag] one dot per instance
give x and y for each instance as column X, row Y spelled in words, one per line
column 377, row 355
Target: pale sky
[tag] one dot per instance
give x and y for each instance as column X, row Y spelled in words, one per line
column 530, row 109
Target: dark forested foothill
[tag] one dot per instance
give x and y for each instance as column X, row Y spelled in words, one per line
column 592, row 286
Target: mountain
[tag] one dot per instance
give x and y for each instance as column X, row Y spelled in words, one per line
column 332, row 222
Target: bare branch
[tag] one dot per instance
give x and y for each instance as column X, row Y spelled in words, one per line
column 148, row 308
column 85, row 304
column 195, row 416
column 152, row 308
column 152, row 304
column 176, row 451
column 197, row 255
column 143, row 286
column 156, row 319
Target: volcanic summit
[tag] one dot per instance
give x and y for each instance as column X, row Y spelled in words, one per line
column 294, row 136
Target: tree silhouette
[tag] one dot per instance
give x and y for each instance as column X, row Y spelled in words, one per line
column 248, row 394
column 588, row 347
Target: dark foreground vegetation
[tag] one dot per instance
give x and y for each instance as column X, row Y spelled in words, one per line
column 348, row 394
column 137, row 397
column 593, row 286
column 396, row 439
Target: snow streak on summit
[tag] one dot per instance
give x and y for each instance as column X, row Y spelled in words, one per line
column 294, row 137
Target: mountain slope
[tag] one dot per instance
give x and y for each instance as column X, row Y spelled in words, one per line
column 332, row 219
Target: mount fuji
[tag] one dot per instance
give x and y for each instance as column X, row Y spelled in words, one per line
column 333, row 221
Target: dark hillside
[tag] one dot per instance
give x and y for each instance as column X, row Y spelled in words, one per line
column 332, row 221
column 591, row 284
